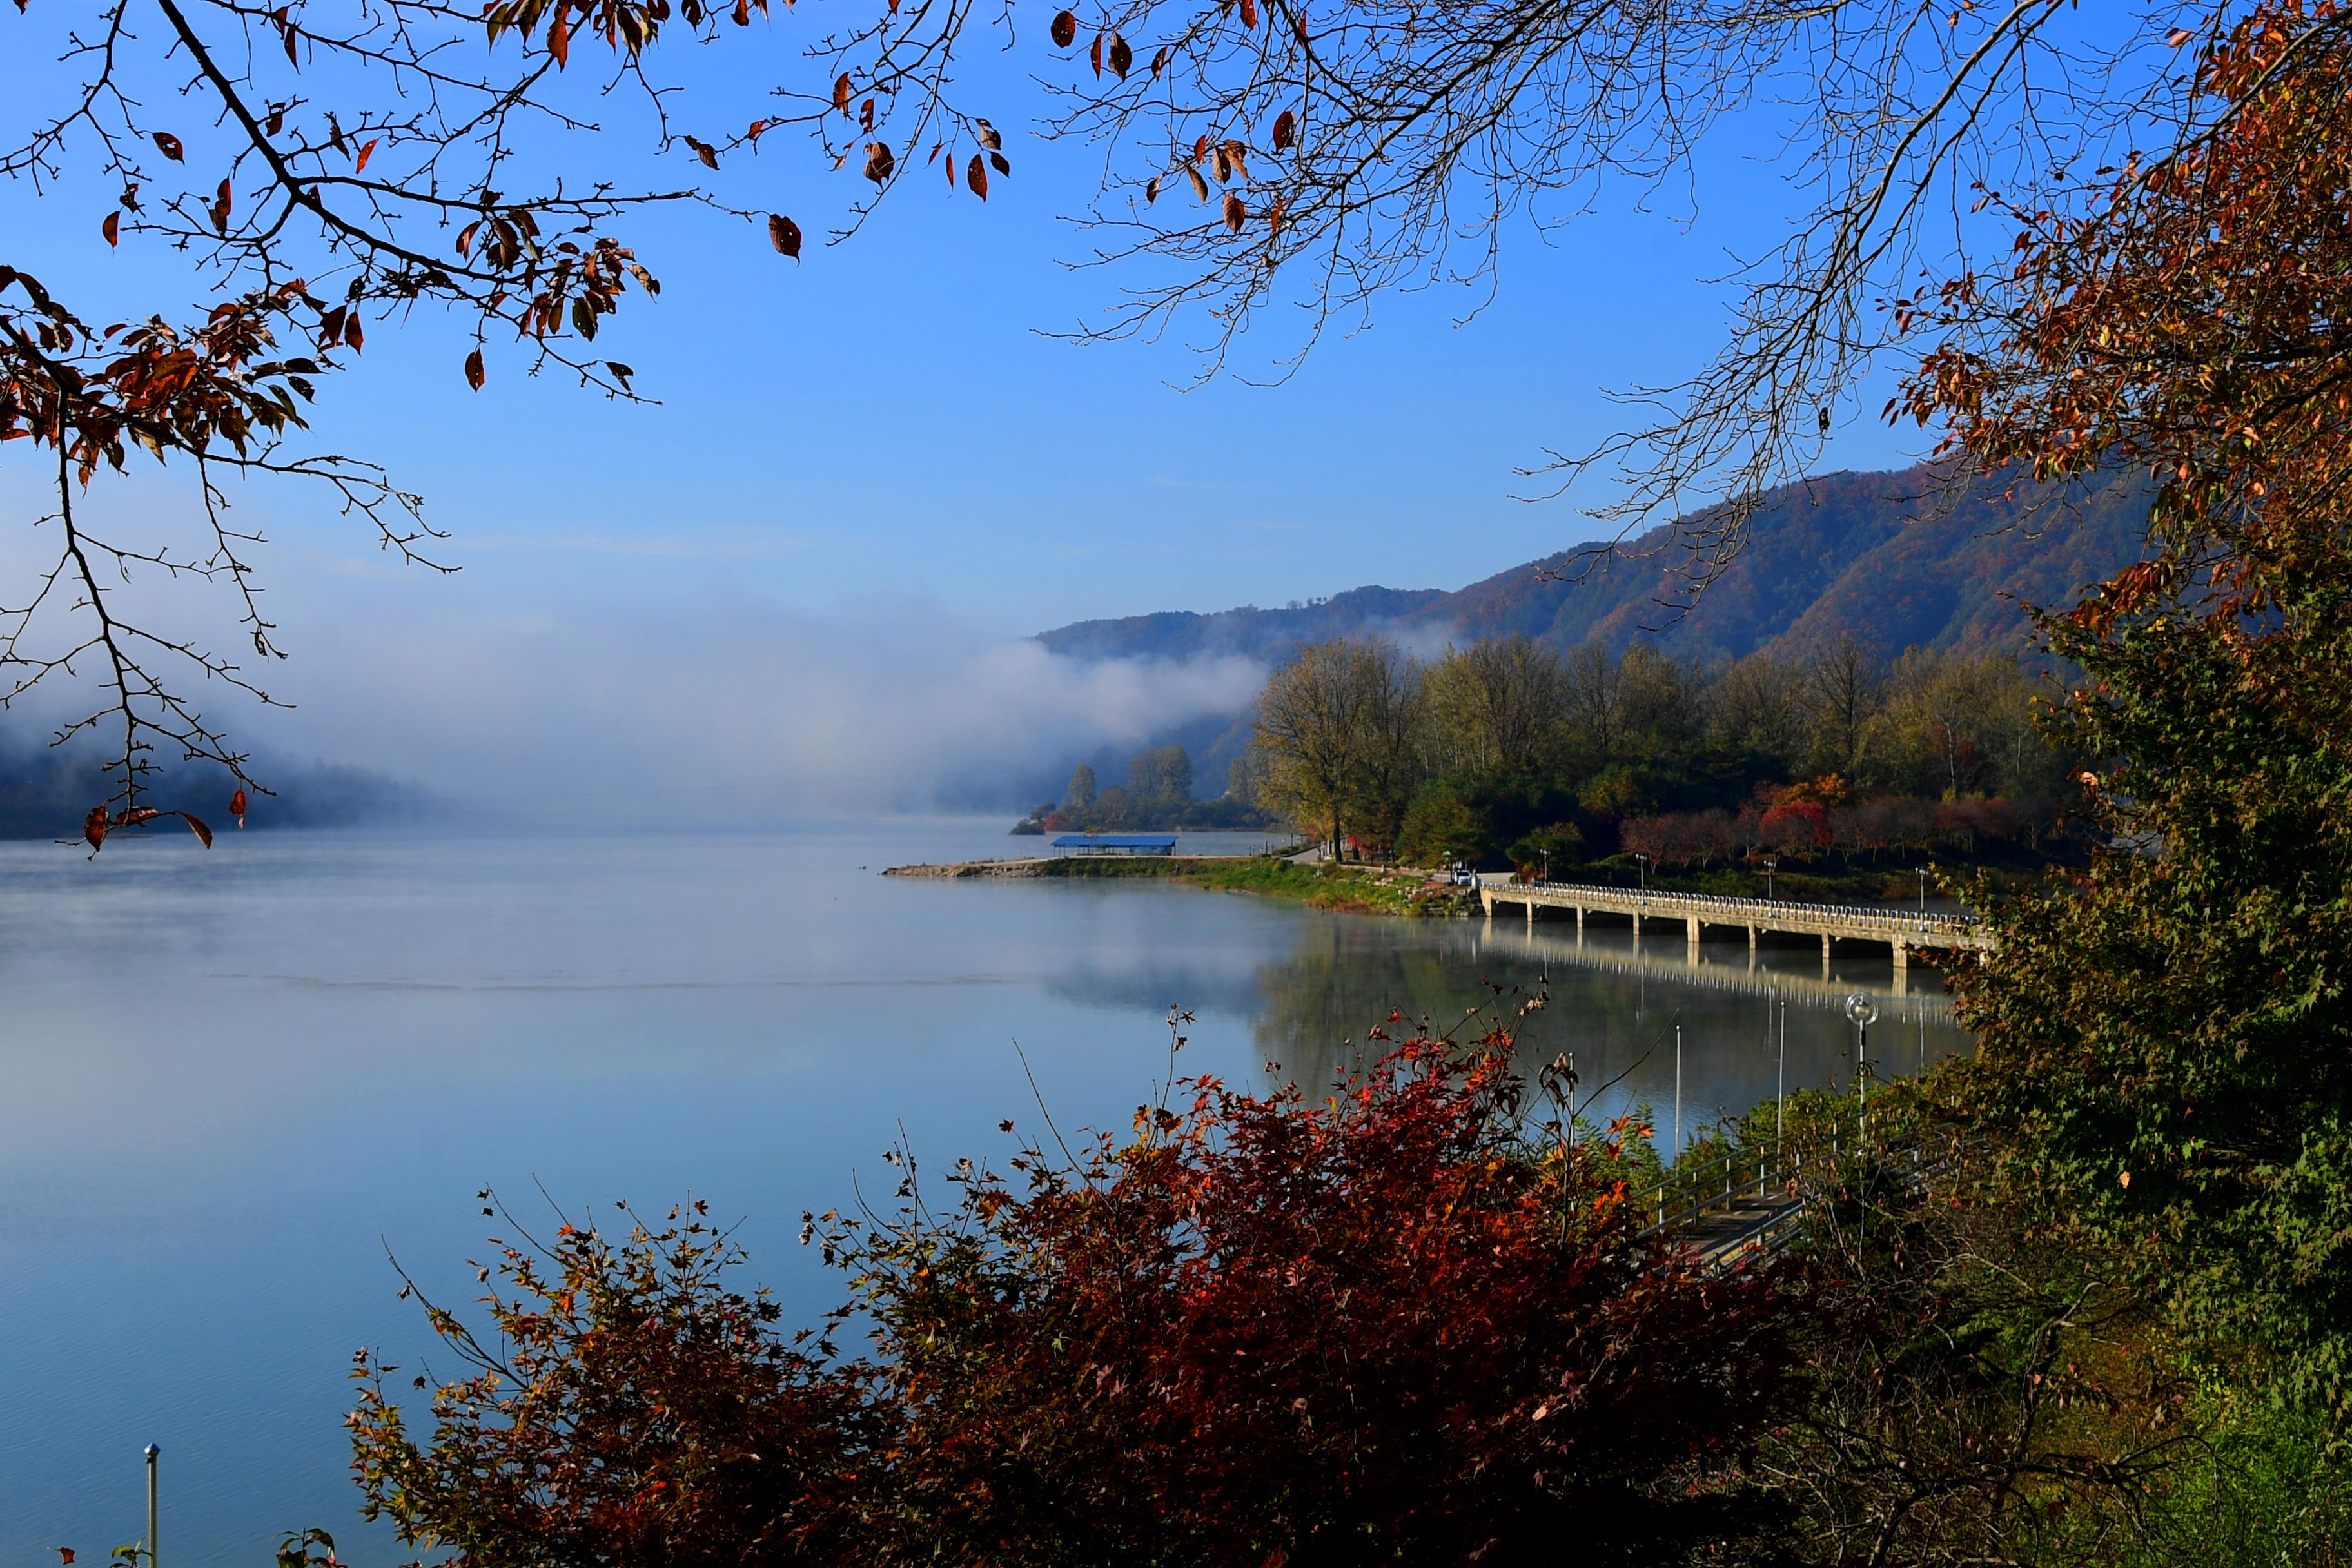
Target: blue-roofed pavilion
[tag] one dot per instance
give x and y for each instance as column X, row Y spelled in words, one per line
column 1116, row 843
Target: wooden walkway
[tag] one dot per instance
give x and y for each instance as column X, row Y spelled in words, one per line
column 1903, row 931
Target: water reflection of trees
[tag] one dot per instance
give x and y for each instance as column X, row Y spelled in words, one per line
column 1345, row 976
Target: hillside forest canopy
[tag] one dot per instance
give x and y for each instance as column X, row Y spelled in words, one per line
column 1846, row 766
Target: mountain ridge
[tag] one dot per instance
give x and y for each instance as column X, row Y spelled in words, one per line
column 1902, row 557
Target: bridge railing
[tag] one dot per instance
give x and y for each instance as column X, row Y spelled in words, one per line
column 1728, row 910
column 1694, row 1188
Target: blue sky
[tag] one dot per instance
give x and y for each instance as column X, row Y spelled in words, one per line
column 880, row 437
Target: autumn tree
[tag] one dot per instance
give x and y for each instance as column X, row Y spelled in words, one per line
column 1496, row 706
column 1335, row 737
column 1080, row 791
column 2167, row 1043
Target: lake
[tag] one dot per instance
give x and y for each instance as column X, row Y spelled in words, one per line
column 234, row 1081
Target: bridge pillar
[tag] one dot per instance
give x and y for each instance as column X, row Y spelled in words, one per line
column 1693, row 924
column 1826, row 955
column 1531, row 911
column 1902, row 970
column 1637, row 927
column 1487, row 901
column 1580, row 925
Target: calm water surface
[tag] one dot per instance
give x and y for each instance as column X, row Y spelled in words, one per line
column 231, row 1083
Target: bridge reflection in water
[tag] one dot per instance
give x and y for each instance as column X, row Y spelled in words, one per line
column 1901, row 932
column 1550, row 945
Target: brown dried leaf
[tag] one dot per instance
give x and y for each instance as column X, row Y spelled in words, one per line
column 113, row 228
column 1286, row 128
column 1121, row 56
column 1097, row 54
column 360, row 165
column 1200, row 185
column 169, row 145
column 196, row 826
column 784, row 235
column 1064, row 30
column 975, row 176
column 1234, row 214
column 879, row 162
column 475, row 376
column 840, row 93
column 1249, row 13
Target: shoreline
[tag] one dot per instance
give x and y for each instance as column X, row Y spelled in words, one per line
column 1346, row 889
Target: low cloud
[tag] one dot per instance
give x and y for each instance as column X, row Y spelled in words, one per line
column 748, row 712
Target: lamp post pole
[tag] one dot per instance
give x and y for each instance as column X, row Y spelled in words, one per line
column 153, row 1454
column 1678, row 1091
column 1771, row 863
column 1780, row 1086
column 1923, row 897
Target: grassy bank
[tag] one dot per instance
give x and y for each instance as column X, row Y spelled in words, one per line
column 1353, row 889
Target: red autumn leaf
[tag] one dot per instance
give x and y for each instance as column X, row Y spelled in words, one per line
column 1286, row 127
column 1224, row 167
column 1064, row 30
column 360, row 165
column 1249, row 13
column 475, row 376
column 865, row 115
column 65, row 1552
column 841, row 92
column 1097, row 53
column 1158, row 61
column 93, row 829
column 784, row 235
column 113, row 228
column 236, row 807
column 879, row 162
column 285, row 36
column 196, row 826
column 559, row 34
column 169, row 145
column 1200, row 185
column 976, row 175
column 352, row 333
column 220, row 207
column 1121, row 56
column 1234, row 211
column 704, row 152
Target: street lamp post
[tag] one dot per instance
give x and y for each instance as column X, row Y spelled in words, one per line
column 1922, row 896
column 1771, row 863
column 1864, row 1013
column 1641, row 873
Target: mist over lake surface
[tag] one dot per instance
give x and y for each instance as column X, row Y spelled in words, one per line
column 235, row 1079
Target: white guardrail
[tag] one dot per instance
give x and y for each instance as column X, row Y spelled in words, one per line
column 1721, row 909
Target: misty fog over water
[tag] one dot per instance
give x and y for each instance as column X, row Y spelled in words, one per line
column 235, row 1079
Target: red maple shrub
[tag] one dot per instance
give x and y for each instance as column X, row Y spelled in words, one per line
column 1392, row 1325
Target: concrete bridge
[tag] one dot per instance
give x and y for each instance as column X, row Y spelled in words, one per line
column 1901, row 930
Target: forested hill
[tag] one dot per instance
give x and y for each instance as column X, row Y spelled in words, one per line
column 1879, row 552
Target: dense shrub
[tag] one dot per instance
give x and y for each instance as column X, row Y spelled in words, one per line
column 1383, row 1326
